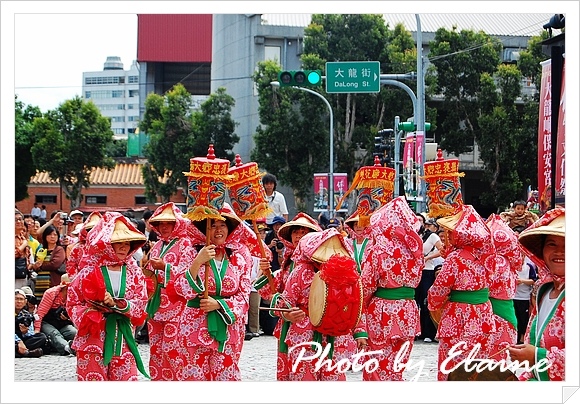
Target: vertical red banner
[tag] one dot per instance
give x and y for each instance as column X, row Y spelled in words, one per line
column 408, row 150
column 544, row 137
column 320, row 192
column 340, row 181
column 561, row 139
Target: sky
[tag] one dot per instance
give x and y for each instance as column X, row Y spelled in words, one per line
column 46, row 46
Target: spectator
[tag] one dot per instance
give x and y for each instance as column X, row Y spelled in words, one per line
column 432, row 247
column 519, row 216
column 27, row 343
column 34, row 247
column 43, row 213
column 276, row 200
column 337, row 223
column 35, row 212
column 52, row 256
column 21, row 251
column 53, row 320
column 273, row 242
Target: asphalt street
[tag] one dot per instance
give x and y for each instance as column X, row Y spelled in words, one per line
column 257, row 363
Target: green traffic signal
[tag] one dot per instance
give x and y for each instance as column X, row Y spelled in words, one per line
column 300, row 78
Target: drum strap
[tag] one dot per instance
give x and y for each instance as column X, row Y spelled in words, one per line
column 403, row 292
column 505, row 309
column 469, row 296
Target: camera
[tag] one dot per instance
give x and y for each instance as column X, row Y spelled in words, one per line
column 279, row 245
column 32, row 299
column 24, row 318
column 61, row 311
column 64, row 216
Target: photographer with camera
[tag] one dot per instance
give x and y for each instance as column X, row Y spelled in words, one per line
column 27, row 343
column 53, row 319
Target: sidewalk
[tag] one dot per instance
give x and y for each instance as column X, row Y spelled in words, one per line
column 257, row 363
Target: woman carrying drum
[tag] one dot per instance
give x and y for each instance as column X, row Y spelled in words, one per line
column 290, row 234
column 545, row 338
column 314, row 251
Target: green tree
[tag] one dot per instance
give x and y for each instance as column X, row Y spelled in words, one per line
column 24, row 139
column 177, row 133
column 69, row 142
column 117, row 148
column 530, row 58
column 458, row 61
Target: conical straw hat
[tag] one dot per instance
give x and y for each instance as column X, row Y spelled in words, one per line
column 122, row 233
column 285, row 231
column 166, row 215
column 329, row 248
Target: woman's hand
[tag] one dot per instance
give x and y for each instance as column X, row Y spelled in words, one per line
column 203, row 256
column 108, row 300
column 157, row 263
column 361, row 343
column 209, row 304
column 523, row 352
column 294, row 315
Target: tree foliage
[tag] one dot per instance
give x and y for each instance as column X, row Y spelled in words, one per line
column 69, row 142
column 177, row 133
column 458, row 61
column 24, row 139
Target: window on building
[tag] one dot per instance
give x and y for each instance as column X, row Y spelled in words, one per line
column 132, row 118
column 117, row 93
column 131, row 130
column 132, row 106
column 117, row 119
column 45, row 199
column 140, row 200
column 119, row 131
column 96, row 199
column 133, row 79
column 133, row 93
column 272, row 53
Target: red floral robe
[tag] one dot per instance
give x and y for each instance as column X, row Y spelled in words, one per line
column 178, row 253
column 90, row 320
column 394, row 260
column 464, row 269
column 202, row 356
column 502, row 288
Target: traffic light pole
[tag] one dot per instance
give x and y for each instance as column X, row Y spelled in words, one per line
column 331, row 150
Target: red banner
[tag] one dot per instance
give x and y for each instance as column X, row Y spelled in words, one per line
column 561, row 149
column 545, row 137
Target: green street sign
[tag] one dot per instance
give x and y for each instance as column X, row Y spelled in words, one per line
column 353, row 77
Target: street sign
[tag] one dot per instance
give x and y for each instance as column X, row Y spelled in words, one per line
column 353, row 77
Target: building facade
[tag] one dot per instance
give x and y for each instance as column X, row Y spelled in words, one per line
column 115, row 92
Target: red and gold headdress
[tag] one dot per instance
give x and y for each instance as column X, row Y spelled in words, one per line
column 443, row 186
column 376, row 185
column 206, row 187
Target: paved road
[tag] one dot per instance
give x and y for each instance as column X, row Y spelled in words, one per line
column 257, row 363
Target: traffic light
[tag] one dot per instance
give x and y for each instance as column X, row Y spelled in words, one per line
column 383, row 147
column 411, row 127
column 300, row 78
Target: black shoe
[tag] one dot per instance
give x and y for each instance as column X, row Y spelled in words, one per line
column 34, row 353
column 248, row 336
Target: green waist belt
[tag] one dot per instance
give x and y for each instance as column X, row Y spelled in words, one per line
column 469, row 296
column 216, row 325
column 505, row 309
column 403, row 292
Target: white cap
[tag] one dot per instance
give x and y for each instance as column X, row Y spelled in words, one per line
column 77, row 229
column 75, row 212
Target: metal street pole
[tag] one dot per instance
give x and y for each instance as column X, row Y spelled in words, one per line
column 397, row 154
column 420, row 116
column 331, row 150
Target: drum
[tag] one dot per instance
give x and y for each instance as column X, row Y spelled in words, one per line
column 335, row 309
column 436, row 316
column 486, row 375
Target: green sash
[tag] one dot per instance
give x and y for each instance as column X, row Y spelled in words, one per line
column 469, row 296
column 317, row 337
column 505, row 309
column 118, row 326
column 155, row 301
column 403, row 292
column 536, row 330
column 216, row 325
